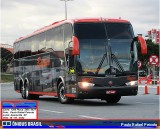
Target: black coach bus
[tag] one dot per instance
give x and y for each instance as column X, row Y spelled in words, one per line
column 78, row 59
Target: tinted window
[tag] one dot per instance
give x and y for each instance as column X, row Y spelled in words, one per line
column 90, row 30
column 54, row 39
column 58, row 36
column 119, row 31
column 18, row 50
column 27, row 47
column 15, row 50
column 97, row 30
column 67, row 34
column 22, row 49
column 50, row 41
column 34, row 45
column 41, row 42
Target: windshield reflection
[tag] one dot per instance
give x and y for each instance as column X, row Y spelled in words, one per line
column 91, row 53
column 94, row 40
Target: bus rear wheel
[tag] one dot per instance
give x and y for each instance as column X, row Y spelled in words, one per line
column 25, row 93
column 61, row 94
column 113, row 99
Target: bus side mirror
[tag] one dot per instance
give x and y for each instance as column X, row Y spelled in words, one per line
column 143, row 44
column 75, row 47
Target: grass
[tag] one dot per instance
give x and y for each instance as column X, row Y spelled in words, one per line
column 6, row 78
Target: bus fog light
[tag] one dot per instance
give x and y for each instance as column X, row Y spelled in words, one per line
column 132, row 83
column 85, row 84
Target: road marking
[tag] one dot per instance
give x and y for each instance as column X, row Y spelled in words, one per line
column 50, row 111
column 156, row 98
column 91, row 117
column 146, row 103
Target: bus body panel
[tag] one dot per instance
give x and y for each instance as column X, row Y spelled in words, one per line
column 39, row 73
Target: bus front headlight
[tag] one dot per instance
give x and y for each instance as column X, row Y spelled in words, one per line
column 132, row 83
column 85, row 84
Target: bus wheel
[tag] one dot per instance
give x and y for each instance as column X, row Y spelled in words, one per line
column 113, row 99
column 61, row 94
column 23, row 92
column 30, row 96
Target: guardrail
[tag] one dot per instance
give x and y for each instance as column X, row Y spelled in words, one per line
column 144, row 80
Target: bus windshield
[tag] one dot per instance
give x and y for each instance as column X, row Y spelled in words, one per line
column 100, row 42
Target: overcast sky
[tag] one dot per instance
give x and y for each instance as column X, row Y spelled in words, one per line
column 21, row 17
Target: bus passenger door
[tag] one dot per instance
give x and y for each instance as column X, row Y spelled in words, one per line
column 70, row 74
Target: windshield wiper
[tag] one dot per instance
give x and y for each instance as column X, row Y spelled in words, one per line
column 117, row 62
column 100, row 64
column 102, row 60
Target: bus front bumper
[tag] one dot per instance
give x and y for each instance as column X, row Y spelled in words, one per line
column 102, row 92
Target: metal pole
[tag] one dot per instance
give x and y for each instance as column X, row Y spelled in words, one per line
column 66, row 9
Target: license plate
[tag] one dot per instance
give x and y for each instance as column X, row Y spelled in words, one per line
column 110, row 92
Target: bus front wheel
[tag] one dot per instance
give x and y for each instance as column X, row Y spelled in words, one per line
column 113, row 99
column 61, row 94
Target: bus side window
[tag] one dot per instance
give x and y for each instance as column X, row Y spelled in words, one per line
column 42, row 42
column 34, row 45
column 27, row 47
column 50, row 40
column 15, row 50
column 67, row 34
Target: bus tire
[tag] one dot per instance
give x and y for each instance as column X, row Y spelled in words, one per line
column 30, row 96
column 61, row 94
column 113, row 99
column 23, row 92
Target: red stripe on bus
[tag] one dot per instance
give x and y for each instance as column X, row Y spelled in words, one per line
column 43, row 93
column 100, row 20
column 71, row 95
column 48, row 93
column 17, row 91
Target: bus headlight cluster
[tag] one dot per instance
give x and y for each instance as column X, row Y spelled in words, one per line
column 85, row 84
column 132, row 83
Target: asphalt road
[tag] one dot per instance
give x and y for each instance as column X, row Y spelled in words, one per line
column 140, row 106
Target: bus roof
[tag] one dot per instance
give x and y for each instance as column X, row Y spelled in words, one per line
column 77, row 20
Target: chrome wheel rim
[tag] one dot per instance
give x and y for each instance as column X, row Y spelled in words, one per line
column 23, row 91
column 26, row 91
column 61, row 93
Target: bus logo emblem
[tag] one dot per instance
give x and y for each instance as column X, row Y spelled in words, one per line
column 110, row 83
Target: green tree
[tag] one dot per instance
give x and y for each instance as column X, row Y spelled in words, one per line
column 151, row 49
column 3, row 65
